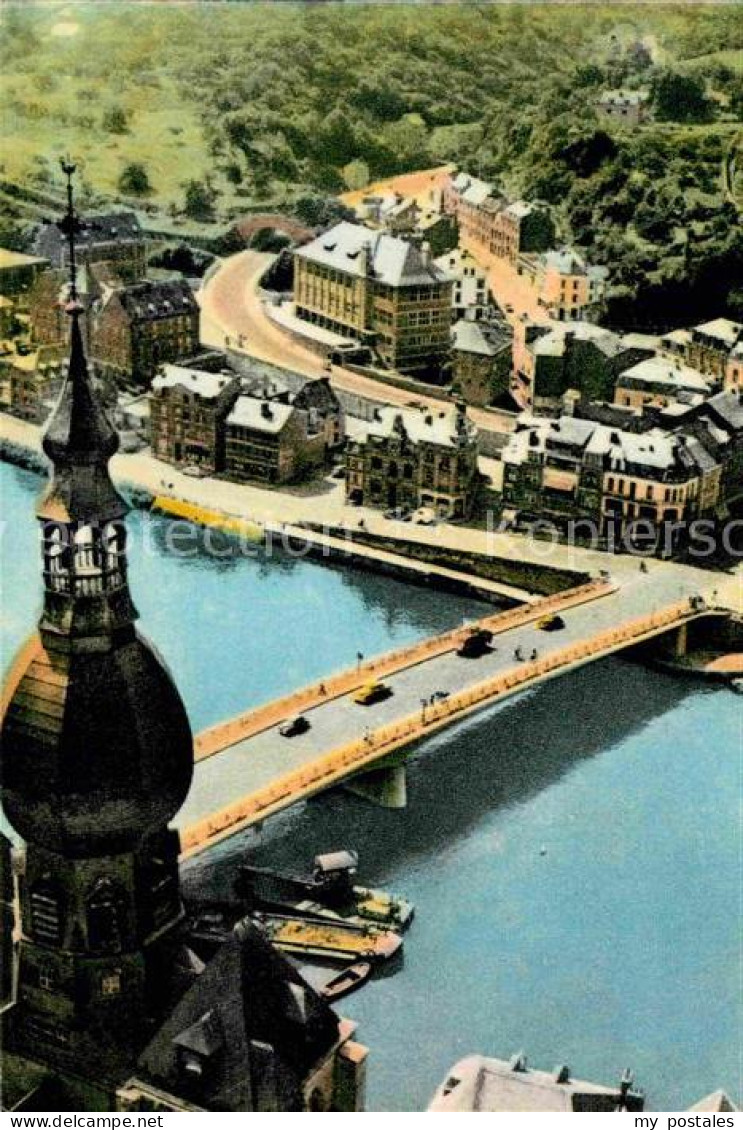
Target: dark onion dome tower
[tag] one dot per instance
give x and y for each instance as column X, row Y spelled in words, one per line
column 97, row 758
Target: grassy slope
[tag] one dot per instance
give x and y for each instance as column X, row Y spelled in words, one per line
column 159, row 62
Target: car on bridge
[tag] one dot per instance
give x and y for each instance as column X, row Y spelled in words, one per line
column 551, row 623
column 293, row 726
column 371, row 693
column 475, row 644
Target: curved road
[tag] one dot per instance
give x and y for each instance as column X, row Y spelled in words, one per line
column 231, row 307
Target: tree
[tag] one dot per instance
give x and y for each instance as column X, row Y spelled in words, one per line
column 115, row 120
column 134, row 180
column 356, row 174
column 681, row 98
column 321, row 211
column 199, row 200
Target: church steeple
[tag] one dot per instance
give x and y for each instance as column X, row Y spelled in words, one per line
column 97, row 758
column 81, row 512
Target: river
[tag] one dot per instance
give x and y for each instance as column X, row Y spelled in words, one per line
column 574, row 854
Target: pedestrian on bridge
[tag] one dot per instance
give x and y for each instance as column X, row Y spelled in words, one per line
column 518, row 654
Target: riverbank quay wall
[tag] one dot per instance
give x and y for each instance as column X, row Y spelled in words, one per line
column 345, row 762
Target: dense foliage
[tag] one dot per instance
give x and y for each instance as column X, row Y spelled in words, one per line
column 237, row 105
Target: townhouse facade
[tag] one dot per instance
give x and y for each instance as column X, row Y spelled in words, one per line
column 410, row 459
column 714, row 348
column 136, row 329
column 188, row 409
column 569, row 288
column 488, row 221
column 658, row 382
column 471, row 293
column 481, row 365
column 253, row 431
column 270, row 441
column 642, row 485
column 549, row 361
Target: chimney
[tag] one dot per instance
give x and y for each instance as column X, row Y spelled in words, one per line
column 266, row 412
column 426, row 253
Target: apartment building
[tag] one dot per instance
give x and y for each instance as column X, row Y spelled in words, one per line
column 378, row 289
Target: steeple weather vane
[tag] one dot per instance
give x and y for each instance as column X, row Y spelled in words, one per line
column 70, row 223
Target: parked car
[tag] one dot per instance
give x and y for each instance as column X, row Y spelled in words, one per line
column 194, row 471
column 371, row 693
column 293, row 726
column 551, row 623
column 401, row 513
column 475, row 644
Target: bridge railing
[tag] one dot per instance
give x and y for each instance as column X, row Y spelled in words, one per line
column 224, row 734
column 362, row 752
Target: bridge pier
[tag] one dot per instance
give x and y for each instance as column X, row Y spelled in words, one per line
column 681, row 641
column 386, row 788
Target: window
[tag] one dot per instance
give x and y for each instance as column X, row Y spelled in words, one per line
column 105, row 916
column 47, row 978
column 46, row 912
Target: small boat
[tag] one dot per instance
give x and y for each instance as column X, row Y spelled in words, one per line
column 318, row 937
column 737, row 685
column 347, row 980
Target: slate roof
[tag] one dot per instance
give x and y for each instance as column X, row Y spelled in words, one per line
column 259, row 415
column 658, row 371
column 254, row 1022
column 478, row 337
column 421, row 427
column 724, row 329
column 653, row 450
column 478, row 1083
column 151, row 301
column 50, row 240
column 206, row 385
column 623, row 97
column 552, row 344
column 391, row 260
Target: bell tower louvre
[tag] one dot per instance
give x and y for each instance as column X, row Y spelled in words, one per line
column 97, row 757
column 112, row 1007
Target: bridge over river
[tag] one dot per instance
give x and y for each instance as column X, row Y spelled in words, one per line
column 246, row 771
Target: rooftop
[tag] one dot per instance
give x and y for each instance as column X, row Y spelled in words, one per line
column 623, row 97
column 724, row 329
column 478, row 337
column 110, row 227
column 11, row 259
column 619, row 450
column 480, row 1084
column 422, row 427
column 520, row 209
column 259, row 415
column 552, row 344
column 658, row 371
column 358, row 250
column 206, row 385
column 147, row 301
